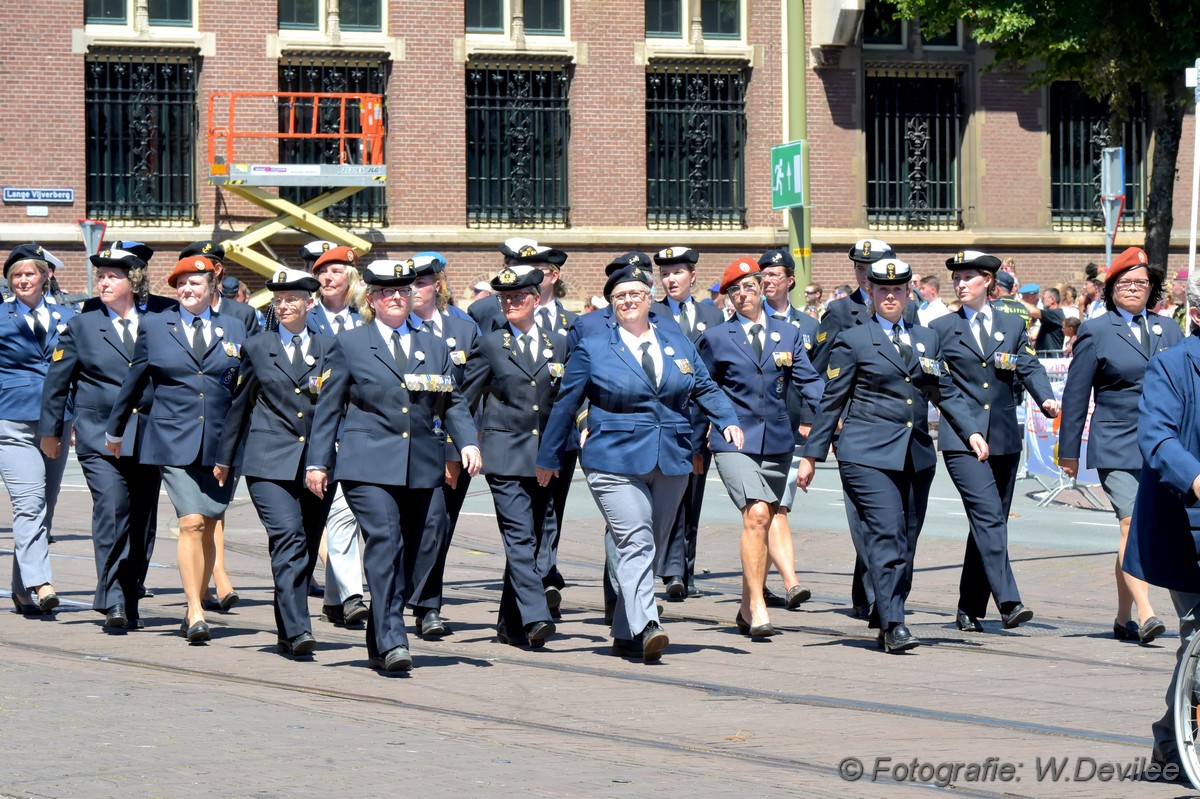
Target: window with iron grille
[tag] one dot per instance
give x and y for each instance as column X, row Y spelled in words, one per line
column 518, row 127
column 140, row 134
column 914, row 145
column 331, row 75
column 1079, row 131
column 696, row 146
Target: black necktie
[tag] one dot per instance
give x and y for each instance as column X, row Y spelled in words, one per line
column 429, row 327
column 1140, row 321
column 398, row 351
column 544, row 319
column 39, row 331
column 685, row 321
column 338, row 325
column 297, row 355
column 981, row 322
column 126, row 336
column 755, row 341
column 198, row 348
column 648, row 364
column 904, row 350
column 527, row 350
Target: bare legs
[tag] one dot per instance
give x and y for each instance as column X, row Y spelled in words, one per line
column 756, row 523
column 1130, row 590
column 197, row 554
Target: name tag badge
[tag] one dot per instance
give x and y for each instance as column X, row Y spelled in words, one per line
column 782, row 357
column 685, row 367
column 428, row 382
column 930, row 366
column 1005, row 361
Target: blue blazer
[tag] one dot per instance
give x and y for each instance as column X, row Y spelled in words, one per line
column 23, row 364
column 1164, row 535
column 633, row 426
column 458, row 334
column 985, row 380
column 513, row 399
column 392, row 433
column 272, row 413
column 758, row 386
column 90, row 363
column 191, row 400
column 1107, row 361
column 320, row 321
column 487, row 313
column 232, row 309
column 589, row 324
column 844, row 314
column 883, row 400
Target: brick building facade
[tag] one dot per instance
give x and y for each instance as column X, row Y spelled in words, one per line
column 628, row 125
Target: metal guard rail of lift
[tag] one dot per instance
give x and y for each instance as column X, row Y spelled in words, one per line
column 370, row 120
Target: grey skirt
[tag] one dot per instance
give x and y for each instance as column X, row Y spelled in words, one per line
column 194, row 490
column 751, row 478
column 1121, row 486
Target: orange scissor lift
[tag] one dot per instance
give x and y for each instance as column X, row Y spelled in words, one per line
column 245, row 130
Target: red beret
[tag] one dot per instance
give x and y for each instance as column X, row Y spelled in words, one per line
column 336, row 255
column 1134, row 256
column 738, row 270
column 189, row 266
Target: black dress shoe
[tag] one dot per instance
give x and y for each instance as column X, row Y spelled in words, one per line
column 333, row 614
column 511, row 640
column 1017, row 615
column 554, row 601
column 762, row 630
column 145, row 593
column 397, row 659
column 135, row 624
column 50, row 601
column 968, row 624
column 26, row 608
column 538, row 632
column 432, row 625
column 742, row 625
column 627, row 648
column 116, row 616
column 796, row 595
column 693, row 591
column 354, row 610
column 861, row 611
column 1151, row 629
column 772, row 599
column 898, row 639
column 298, row 645
column 222, row 603
column 654, row 641
column 675, row 588
column 1126, row 632
column 196, row 633
column 315, row 589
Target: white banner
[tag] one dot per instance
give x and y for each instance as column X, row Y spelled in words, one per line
column 1041, row 434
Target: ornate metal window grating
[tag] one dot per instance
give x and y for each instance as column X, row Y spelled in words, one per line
column 1079, row 130
column 141, row 135
column 914, row 147
column 696, row 146
column 368, row 207
column 518, row 128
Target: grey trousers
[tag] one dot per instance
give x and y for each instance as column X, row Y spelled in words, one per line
column 640, row 511
column 343, row 572
column 1187, row 605
column 33, row 482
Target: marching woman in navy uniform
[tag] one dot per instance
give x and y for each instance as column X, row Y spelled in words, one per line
column 334, row 268
column 29, row 334
column 513, row 377
column 987, row 352
column 640, row 446
column 757, row 360
column 880, row 375
column 1109, row 362
column 91, row 361
column 677, row 273
column 393, row 388
column 271, row 420
column 190, row 358
column 430, row 298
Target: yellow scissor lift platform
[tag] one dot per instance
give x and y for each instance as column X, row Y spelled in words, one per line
column 241, row 121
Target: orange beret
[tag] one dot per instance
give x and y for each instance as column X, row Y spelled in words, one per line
column 1134, row 256
column 191, row 265
column 336, row 255
column 738, row 270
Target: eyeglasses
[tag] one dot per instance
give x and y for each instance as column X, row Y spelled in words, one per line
column 515, row 297
column 811, row 291
column 1126, row 285
column 748, row 287
column 386, row 293
column 289, row 300
column 630, row 296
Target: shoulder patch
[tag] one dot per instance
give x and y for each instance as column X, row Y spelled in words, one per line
column 1030, row 350
column 833, row 371
column 824, row 334
column 58, row 355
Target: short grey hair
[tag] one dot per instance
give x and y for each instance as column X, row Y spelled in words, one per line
column 1193, row 289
